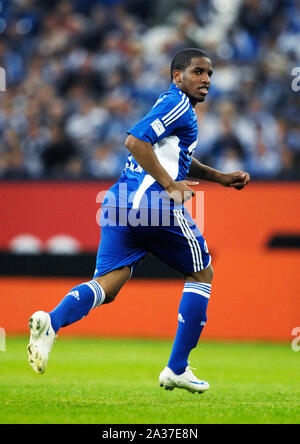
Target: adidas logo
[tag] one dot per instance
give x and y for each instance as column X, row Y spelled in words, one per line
column 180, row 318
column 74, row 293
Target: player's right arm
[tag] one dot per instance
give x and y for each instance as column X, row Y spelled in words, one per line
column 145, row 156
column 237, row 179
column 167, row 115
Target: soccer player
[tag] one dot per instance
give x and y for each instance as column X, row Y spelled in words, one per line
column 161, row 150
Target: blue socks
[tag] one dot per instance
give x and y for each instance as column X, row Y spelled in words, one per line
column 77, row 304
column 191, row 320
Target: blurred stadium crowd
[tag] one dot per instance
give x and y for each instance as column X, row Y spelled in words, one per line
column 80, row 73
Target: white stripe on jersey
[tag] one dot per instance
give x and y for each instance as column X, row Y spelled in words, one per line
column 168, row 152
column 176, row 111
column 146, row 183
column 175, row 108
column 177, row 117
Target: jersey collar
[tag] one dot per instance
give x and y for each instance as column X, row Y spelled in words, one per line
column 175, row 88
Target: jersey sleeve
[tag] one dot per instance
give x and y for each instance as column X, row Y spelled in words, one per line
column 166, row 117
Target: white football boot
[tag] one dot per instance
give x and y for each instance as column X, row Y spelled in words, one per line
column 41, row 340
column 187, row 380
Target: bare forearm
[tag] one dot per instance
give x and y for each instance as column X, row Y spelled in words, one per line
column 144, row 155
column 204, row 172
column 237, row 179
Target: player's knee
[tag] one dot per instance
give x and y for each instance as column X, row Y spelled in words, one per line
column 110, row 297
column 205, row 276
column 210, row 271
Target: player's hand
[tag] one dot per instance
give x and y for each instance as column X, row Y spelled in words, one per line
column 180, row 191
column 237, row 180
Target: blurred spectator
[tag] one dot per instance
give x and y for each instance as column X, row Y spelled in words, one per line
column 81, row 72
column 105, row 162
column 58, row 153
column 227, row 152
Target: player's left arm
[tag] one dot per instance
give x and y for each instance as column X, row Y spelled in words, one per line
column 237, row 179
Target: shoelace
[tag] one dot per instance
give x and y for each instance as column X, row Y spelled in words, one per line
column 189, row 370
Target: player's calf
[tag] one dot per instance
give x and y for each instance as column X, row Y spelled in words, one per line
column 77, row 304
column 113, row 282
column 203, row 276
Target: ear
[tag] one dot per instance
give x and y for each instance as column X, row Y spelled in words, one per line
column 177, row 75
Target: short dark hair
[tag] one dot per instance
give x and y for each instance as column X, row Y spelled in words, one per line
column 182, row 59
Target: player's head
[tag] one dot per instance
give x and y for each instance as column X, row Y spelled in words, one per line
column 191, row 70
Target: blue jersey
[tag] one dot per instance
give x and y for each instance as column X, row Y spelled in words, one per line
column 126, row 234
column 171, row 127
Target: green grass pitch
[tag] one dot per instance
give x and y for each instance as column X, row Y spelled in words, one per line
column 115, row 381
